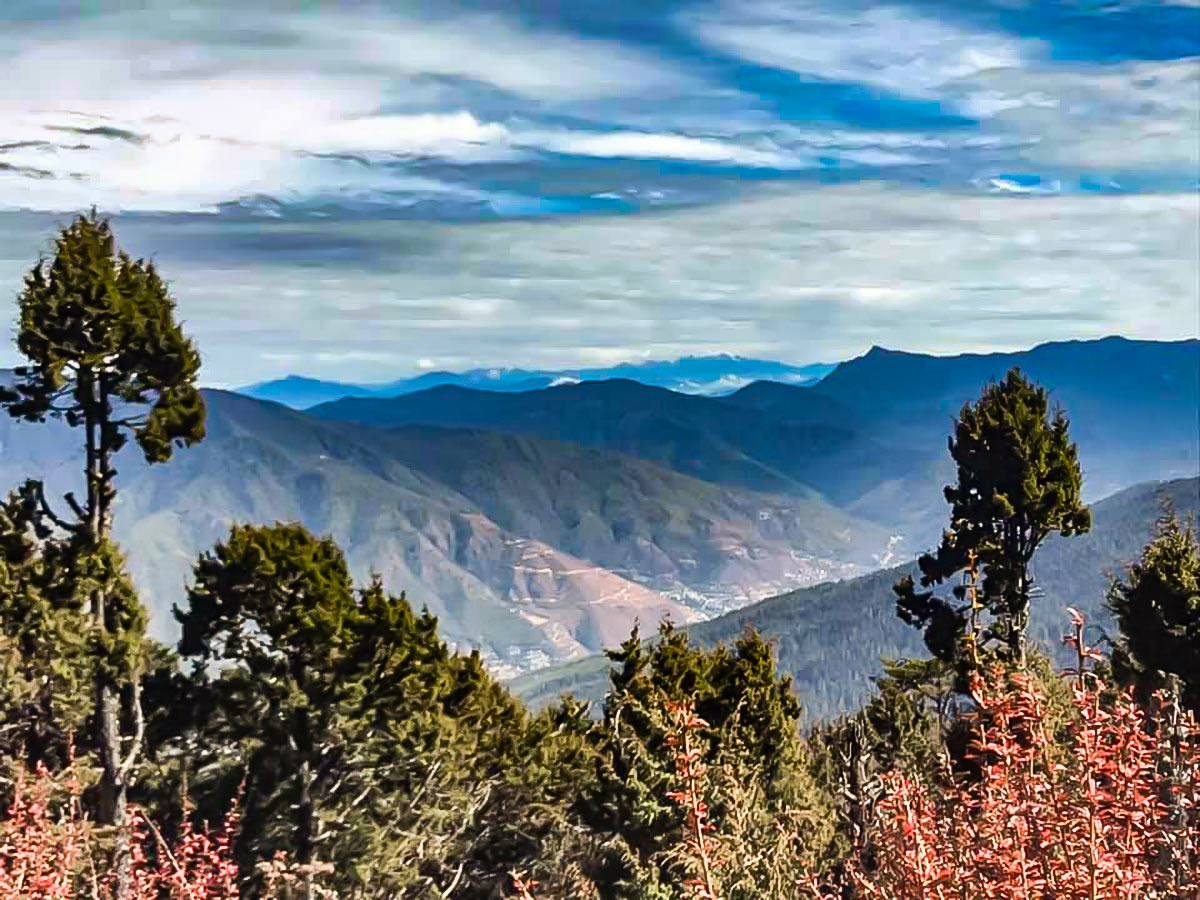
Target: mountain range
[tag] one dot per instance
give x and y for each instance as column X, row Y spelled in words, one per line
column 706, row 375
column 870, row 437
column 539, row 525
column 532, row 550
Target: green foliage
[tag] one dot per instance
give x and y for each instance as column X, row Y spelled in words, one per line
column 45, row 669
column 274, row 598
column 50, row 654
column 104, row 353
column 751, row 735
column 1018, row 482
column 900, row 728
column 273, row 611
column 906, row 719
column 85, row 569
column 1157, row 606
column 368, row 745
column 98, row 326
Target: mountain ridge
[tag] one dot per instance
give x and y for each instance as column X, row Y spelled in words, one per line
column 468, row 523
column 870, row 436
column 539, row 524
column 709, row 375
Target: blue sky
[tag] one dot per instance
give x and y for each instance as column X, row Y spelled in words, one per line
column 361, row 190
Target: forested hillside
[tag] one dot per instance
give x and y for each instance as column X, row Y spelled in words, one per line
column 831, row 637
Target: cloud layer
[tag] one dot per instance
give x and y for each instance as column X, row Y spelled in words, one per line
column 792, row 273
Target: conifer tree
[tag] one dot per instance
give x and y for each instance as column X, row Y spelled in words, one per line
column 45, row 669
column 1157, row 606
column 750, row 730
column 273, row 607
column 106, row 355
column 1018, row 482
column 368, row 747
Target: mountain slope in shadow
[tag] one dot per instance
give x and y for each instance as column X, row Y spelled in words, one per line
column 830, row 637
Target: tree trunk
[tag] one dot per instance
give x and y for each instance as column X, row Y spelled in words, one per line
column 305, row 851
column 113, row 793
column 113, row 786
column 1020, row 618
column 306, row 813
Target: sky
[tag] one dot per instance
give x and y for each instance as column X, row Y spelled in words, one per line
column 364, row 190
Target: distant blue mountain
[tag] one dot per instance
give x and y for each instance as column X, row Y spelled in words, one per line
column 711, row 376
column 870, row 436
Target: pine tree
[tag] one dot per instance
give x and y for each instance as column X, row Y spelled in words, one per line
column 273, row 608
column 370, row 750
column 105, row 354
column 1019, row 481
column 750, row 735
column 45, row 669
column 1157, row 606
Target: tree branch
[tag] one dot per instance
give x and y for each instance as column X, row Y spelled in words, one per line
column 38, row 490
column 139, row 730
column 75, row 507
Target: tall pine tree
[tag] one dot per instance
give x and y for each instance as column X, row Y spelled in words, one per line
column 273, row 609
column 1019, row 481
column 106, row 355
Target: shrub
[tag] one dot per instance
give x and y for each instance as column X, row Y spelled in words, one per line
column 1113, row 817
column 49, row 850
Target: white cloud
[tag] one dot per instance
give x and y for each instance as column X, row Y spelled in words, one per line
column 225, row 112
column 1079, row 116
column 1011, row 186
column 167, row 171
column 638, row 145
column 229, row 100
column 544, row 64
column 726, row 384
column 891, row 47
column 394, row 50
column 425, row 132
column 194, row 145
column 1120, row 116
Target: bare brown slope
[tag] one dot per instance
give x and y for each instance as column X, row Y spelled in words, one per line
column 521, row 601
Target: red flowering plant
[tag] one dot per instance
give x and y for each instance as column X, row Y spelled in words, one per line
column 691, row 770
column 1113, row 817
column 49, row 850
column 522, row 885
column 41, row 853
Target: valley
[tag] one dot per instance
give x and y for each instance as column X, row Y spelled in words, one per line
column 831, row 637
